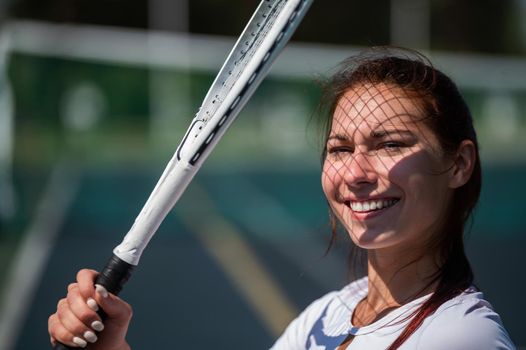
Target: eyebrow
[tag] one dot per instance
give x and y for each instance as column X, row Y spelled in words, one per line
column 338, row 137
column 377, row 134
column 384, row 133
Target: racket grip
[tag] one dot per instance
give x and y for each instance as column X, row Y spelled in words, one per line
column 113, row 277
column 115, row 274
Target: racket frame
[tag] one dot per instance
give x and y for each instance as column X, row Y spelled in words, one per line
column 201, row 137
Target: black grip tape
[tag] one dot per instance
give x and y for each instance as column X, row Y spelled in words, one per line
column 113, row 277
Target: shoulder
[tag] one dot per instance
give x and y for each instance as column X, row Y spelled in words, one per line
column 465, row 322
column 324, row 312
column 296, row 334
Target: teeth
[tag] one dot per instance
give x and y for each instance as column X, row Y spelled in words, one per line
column 372, row 205
column 359, row 207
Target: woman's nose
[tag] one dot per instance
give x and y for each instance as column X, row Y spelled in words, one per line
column 360, row 169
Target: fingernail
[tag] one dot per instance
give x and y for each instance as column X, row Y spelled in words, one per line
column 90, row 336
column 98, row 326
column 80, row 342
column 101, row 290
column 92, row 304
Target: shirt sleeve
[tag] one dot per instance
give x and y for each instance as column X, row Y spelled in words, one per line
column 295, row 335
column 469, row 325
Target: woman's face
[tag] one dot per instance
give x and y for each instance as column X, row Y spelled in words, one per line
column 385, row 175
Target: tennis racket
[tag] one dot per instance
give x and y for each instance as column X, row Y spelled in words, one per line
column 265, row 35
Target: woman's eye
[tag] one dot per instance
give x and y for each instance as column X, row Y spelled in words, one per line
column 391, row 146
column 339, row 150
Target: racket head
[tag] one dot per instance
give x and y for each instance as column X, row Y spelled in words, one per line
column 262, row 40
column 264, row 37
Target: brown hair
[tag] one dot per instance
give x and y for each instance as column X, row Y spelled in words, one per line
column 449, row 118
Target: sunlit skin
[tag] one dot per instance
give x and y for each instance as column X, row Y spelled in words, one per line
column 74, row 316
column 379, row 150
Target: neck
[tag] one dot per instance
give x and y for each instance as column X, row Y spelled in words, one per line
column 396, row 278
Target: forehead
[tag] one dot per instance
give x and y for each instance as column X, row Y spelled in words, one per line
column 370, row 107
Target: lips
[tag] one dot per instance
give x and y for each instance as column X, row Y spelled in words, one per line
column 371, row 205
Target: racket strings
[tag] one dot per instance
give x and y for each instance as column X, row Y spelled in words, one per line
column 258, row 38
column 254, row 40
column 209, row 108
column 230, row 77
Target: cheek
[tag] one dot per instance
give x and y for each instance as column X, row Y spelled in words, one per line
column 413, row 172
column 387, row 167
column 330, row 179
column 327, row 180
column 425, row 187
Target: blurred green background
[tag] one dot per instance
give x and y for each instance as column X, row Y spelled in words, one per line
column 95, row 96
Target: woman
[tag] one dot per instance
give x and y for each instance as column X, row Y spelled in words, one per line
column 401, row 174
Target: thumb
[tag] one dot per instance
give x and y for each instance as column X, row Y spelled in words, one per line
column 115, row 308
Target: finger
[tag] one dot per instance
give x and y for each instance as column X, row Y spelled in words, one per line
column 61, row 334
column 92, row 304
column 86, row 282
column 84, row 312
column 117, row 309
column 71, row 286
column 71, row 323
column 86, row 289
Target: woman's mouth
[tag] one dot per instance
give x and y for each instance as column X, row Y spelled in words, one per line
column 371, row 205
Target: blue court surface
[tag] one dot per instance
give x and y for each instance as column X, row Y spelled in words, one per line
column 240, row 255
column 243, row 251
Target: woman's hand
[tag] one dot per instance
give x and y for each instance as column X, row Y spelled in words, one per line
column 77, row 324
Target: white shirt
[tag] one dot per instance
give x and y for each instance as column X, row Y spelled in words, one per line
column 466, row 322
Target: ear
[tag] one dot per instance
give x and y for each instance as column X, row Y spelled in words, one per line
column 464, row 162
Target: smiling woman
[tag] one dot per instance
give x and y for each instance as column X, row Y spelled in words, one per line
column 383, row 169
column 401, row 174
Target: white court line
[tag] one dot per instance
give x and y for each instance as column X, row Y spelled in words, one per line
column 324, row 270
column 26, row 268
column 7, row 123
column 238, row 261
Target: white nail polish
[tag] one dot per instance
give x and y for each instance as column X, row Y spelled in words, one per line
column 97, row 325
column 101, row 290
column 80, row 342
column 90, row 336
column 92, row 304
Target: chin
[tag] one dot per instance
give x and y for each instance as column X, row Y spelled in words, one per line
column 372, row 240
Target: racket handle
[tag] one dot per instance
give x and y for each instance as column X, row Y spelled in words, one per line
column 113, row 277
column 115, row 274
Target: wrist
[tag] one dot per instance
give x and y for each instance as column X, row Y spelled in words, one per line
column 126, row 346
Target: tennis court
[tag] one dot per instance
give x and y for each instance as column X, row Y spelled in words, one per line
column 189, row 290
column 243, row 251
